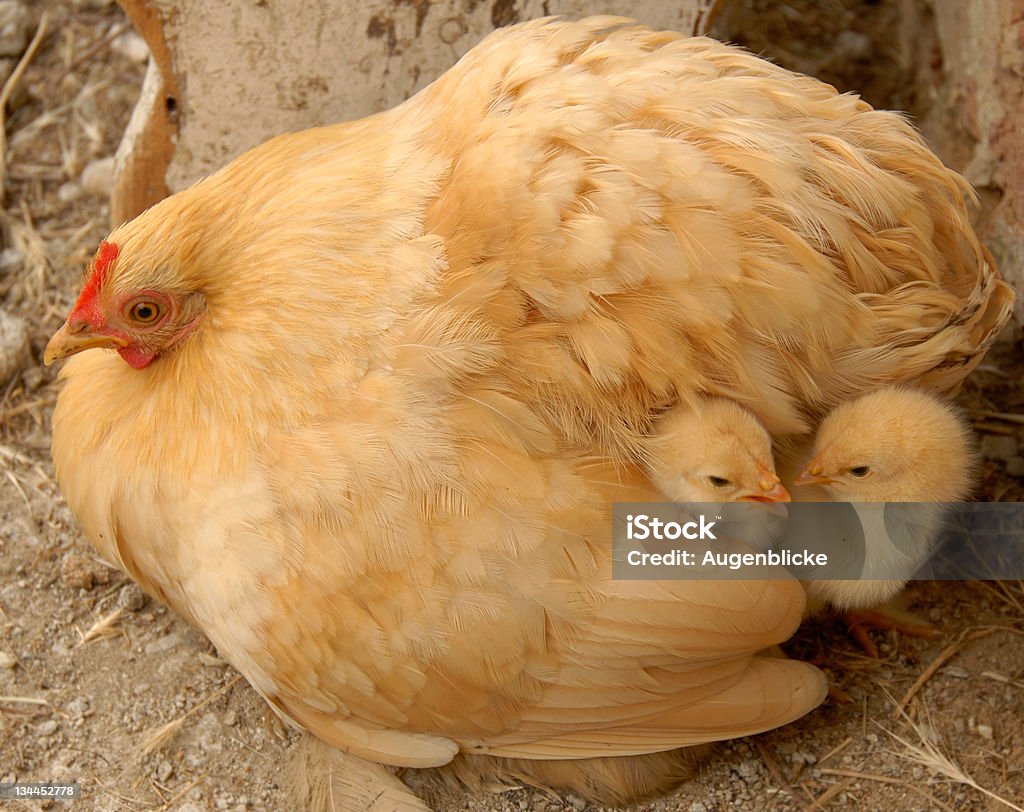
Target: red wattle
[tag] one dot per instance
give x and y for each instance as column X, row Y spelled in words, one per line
column 136, row 358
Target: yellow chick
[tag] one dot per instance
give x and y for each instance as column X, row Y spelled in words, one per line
column 892, row 445
column 717, row 451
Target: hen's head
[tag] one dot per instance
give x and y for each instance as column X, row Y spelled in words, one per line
column 892, row 445
column 141, row 318
column 717, row 452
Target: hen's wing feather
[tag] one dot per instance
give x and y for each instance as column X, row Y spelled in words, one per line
column 505, row 628
column 671, row 215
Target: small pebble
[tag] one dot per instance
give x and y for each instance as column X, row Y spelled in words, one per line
column 98, row 177
column 985, row 731
column 697, row 806
column 132, row 46
column 78, row 708
column 69, row 192
column 14, row 346
column 854, row 44
column 131, row 597
column 12, row 260
column 164, row 770
column 83, row 572
column 749, row 770
column 15, row 27
column 47, row 728
column 162, row 644
column 7, row 660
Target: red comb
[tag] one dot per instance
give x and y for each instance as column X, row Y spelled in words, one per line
column 106, row 254
column 87, row 307
column 101, row 263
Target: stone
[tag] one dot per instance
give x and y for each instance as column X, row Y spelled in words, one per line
column 80, row 571
column 15, row 28
column 163, row 644
column 78, row 708
column 69, row 192
column 131, row 597
column 98, row 177
column 12, row 260
column 164, row 770
column 131, row 46
column 854, row 45
column 15, row 349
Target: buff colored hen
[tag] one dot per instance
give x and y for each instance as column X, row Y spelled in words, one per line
column 376, row 385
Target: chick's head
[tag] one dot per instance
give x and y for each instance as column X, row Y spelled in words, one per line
column 892, row 445
column 715, row 452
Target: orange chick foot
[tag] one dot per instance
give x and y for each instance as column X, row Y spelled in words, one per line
column 858, row 621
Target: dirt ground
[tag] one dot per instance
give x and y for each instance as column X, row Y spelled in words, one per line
column 91, row 670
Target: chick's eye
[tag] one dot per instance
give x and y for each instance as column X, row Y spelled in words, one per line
column 860, row 471
column 144, row 312
column 719, row 482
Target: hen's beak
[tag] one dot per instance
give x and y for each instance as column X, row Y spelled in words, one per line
column 73, row 337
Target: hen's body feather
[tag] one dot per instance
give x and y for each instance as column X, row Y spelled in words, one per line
column 378, row 474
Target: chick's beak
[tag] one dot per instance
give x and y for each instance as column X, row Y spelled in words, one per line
column 74, row 336
column 812, row 475
column 772, row 489
column 775, row 493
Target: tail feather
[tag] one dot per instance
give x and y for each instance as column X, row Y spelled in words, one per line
column 324, row 779
column 612, row 781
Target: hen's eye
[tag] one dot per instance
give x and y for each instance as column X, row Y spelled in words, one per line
column 145, row 312
column 718, row 482
column 860, row 471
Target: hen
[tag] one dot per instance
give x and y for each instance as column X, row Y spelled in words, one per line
column 377, row 384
